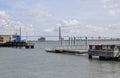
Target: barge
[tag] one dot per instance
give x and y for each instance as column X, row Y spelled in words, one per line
column 104, row 51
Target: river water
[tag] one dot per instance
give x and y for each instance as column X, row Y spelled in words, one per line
column 36, row 63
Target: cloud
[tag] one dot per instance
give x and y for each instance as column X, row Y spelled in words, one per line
column 82, row 29
column 9, row 26
column 4, row 15
column 25, row 28
column 115, row 26
column 48, row 30
column 70, row 22
column 105, row 1
column 75, row 27
column 112, row 6
column 36, row 13
column 113, row 12
column 12, row 27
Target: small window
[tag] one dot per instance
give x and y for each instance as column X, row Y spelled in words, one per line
column 109, row 47
column 119, row 48
column 97, row 47
column 112, row 47
column 104, row 47
column 93, row 47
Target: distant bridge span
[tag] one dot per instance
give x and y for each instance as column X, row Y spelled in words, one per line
column 44, row 36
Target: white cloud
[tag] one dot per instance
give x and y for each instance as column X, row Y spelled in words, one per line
column 48, row 30
column 12, row 27
column 4, row 15
column 114, row 12
column 112, row 6
column 106, row 6
column 75, row 27
column 115, row 26
column 70, row 22
column 9, row 26
column 16, row 25
column 80, row 29
column 36, row 13
column 105, row 1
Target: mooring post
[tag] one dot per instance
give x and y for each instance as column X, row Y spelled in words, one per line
column 74, row 41
column 61, row 40
column 86, row 42
column 69, row 41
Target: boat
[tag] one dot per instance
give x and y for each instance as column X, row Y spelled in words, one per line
column 42, row 39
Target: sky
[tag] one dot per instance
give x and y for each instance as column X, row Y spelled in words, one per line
column 91, row 18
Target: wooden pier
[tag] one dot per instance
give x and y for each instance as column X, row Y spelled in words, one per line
column 69, row 49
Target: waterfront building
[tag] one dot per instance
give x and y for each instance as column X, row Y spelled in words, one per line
column 5, row 38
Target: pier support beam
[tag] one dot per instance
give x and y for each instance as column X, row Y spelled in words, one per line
column 86, row 42
column 74, row 41
column 90, row 56
column 69, row 41
column 61, row 41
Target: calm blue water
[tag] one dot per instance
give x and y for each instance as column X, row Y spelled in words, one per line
column 36, row 63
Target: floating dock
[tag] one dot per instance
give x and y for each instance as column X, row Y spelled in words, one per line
column 69, row 49
column 103, row 51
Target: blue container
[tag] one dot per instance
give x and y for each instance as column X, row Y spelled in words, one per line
column 17, row 38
